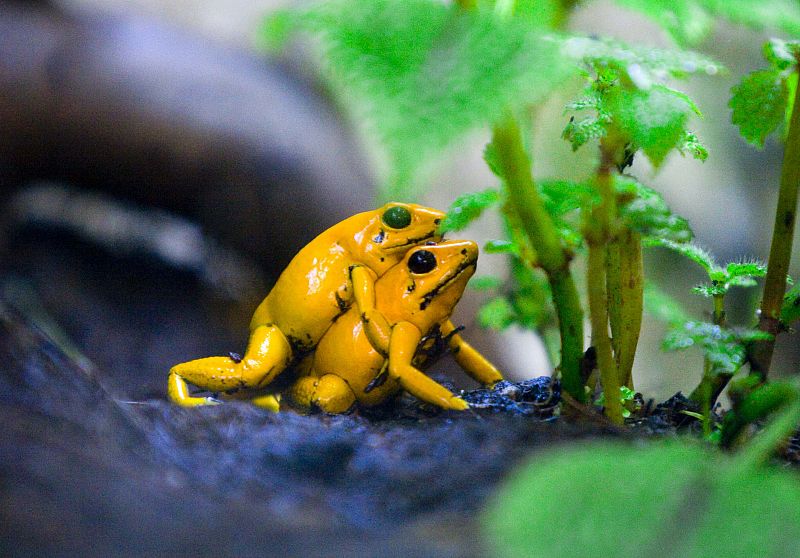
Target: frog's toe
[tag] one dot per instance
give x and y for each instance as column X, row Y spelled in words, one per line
column 333, row 395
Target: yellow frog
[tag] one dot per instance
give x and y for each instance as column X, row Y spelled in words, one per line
column 414, row 298
column 334, row 271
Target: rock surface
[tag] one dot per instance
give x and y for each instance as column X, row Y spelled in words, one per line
column 85, row 473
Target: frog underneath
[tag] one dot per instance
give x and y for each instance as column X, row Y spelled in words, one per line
column 413, row 298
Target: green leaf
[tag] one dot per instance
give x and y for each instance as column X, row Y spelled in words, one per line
column 783, row 15
column 645, row 211
column 689, row 250
column 501, row 247
column 723, row 348
column 691, row 145
column 616, row 499
column 654, row 119
column 485, row 283
column 781, row 55
column 579, row 132
column 709, row 291
column 663, row 307
column 424, row 73
column 468, row 207
column 647, row 62
column 749, row 269
column 530, row 296
column 790, row 311
column 759, row 105
column 496, row 314
column 685, row 20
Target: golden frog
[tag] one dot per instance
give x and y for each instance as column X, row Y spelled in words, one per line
column 333, row 272
column 414, row 298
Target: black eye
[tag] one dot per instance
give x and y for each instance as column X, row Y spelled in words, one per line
column 397, row 217
column 421, row 261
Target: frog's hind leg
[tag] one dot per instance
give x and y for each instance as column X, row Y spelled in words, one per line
column 330, row 393
column 268, row 353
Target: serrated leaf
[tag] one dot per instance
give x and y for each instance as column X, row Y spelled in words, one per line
column 781, row 54
column 580, row 132
column 656, row 63
column 468, row 207
column 485, row 283
column 748, row 335
column 685, row 20
column 618, row 499
column 790, row 310
column 758, row 105
column 689, row 250
column 691, row 145
column 723, row 348
column 424, row 73
column 653, row 119
column 709, row 291
column 645, row 211
column 496, row 314
column 746, row 269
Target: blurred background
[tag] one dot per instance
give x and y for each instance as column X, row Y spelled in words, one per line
column 158, row 170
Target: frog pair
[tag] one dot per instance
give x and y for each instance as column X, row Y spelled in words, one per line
column 349, row 313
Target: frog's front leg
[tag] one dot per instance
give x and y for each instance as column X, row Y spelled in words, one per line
column 268, row 353
column 402, row 346
column 469, row 359
column 376, row 326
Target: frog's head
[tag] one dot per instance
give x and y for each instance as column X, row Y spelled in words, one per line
column 427, row 284
column 393, row 229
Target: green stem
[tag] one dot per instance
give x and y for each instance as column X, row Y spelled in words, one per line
column 598, row 316
column 552, row 257
column 711, row 384
column 625, row 283
column 598, row 235
column 780, row 252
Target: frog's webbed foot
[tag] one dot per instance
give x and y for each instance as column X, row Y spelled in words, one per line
column 178, row 392
column 330, row 393
column 268, row 353
column 403, row 344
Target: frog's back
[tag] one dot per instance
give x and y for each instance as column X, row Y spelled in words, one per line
column 313, row 289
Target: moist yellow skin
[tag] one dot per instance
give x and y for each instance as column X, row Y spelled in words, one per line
column 409, row 305
column 333, row 272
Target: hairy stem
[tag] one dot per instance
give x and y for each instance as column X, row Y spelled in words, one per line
column 625, row 283
column 552, row 257
column 780, row 252
column 711, row 384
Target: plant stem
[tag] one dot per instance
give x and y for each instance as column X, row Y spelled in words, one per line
column 625, row 283
column 780, row 252
column 552, row 257
column 598, row 234
column 711, row 384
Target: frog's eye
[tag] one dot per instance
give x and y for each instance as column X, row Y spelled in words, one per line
column 421, row 262
column 397, row 217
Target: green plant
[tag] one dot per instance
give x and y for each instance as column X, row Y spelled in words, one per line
column 422, row 74
column 664, row 498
